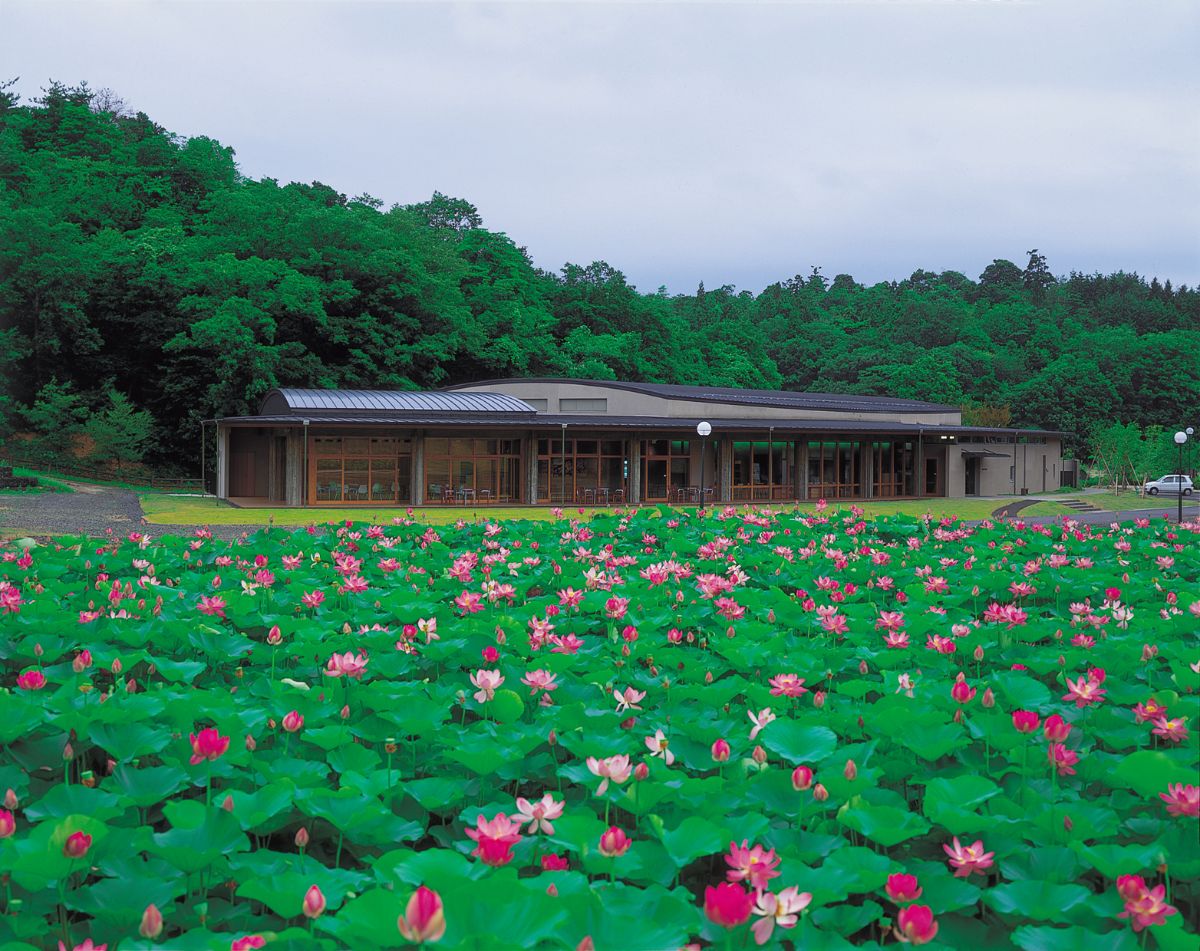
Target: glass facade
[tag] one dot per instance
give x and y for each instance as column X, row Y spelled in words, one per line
column 763, row 471
column 585, row 470
column 361, row 469
column 835, row 470
column 893, row 472
column 461, row 469
column 666, row 470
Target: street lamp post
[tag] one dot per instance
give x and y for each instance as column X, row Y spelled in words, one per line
column 1180, row 438
column 703, row 428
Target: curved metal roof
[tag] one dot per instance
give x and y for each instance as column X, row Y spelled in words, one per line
column 289, row 400
column 787, row 399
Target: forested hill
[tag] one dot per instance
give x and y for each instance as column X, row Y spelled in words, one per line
column 134, row 260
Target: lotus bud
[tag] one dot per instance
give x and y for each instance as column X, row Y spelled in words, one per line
column 314, row 902
column 345, row 714
column 227, row 803
column 820, row 793
column 552, row 890
column 552, row 739
column 10, row 800
column 628, row 723
column 989, row 699
column 293, row 722
column 152, row 923
column 759, row 755
column 819, row 699
column 68, row 752
column 116, row 665
column 274, row 636
column 720, row 751
column 1149, row 652
column 851, row 770
column 1067, row 823
column 131, row 685
column 958, row 717
column 301, row 838
column 37, row 650
column 862, row 667
column 251, row 745
column 641, row 772
column 978, row 652
column 802, row 778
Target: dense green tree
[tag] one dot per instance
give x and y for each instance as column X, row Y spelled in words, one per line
column 133, row 257
column 120, row 434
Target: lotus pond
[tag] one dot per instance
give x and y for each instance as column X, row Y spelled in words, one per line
column 649, row 730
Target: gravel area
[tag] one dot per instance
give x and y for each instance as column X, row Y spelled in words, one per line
column 93, row 509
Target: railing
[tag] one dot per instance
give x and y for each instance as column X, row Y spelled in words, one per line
column 97, row 474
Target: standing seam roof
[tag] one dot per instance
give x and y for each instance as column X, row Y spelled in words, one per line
column 391, row 401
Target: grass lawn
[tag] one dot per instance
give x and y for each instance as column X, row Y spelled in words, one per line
column 46, row 483
column 165, row 509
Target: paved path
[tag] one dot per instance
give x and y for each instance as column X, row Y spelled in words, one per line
column 93, row 509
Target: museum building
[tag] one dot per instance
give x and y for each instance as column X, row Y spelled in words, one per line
column 550, row 441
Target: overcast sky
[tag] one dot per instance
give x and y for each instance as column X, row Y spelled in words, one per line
column 734, row 143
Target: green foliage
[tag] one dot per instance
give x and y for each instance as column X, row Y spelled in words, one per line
column 133, row 257
column 120, row 433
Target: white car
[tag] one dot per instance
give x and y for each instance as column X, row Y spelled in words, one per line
column 1169, row 485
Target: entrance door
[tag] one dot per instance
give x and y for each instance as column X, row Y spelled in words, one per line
column 933, row 477
column 972, row 487
column 241, row 474
column 656, row 480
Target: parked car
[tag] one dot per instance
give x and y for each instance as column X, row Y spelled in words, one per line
column 1169, row 485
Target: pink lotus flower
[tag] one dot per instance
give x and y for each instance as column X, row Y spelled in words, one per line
column 314, row 902
column 537, row 680
column 494, row 838
column 628, row 699
column 208, row 744
column 782, row 910
column 760, row 721
column 916, row 925
column 538, row 814
column 896, row 640
column 658, row 745
column 787, row 685
column 754, row 865
column 32, row 679
column 1025, row 722
column 728, row 905
column 1084, row 692
column 293, row 722
column 553, row 862
column 566, row 644
column 962, row 692
column 487, row 681
column 903, row 888
column 348, row 664
column 1181, row 800
column 77, row 844
column 214, row 606
column 423, row 920
column 468, row 602
column 8, row 823
column 1056, row 729
column 614, row 842
column 1150, row 710
column 616, row 607
column 1147, row 908
column 313, row 599
column 1062, row 759
column 252, row 942
column 616, row 768
column 720, row 751
column 971, row 859
column 1173, row 731
column 86, row 945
